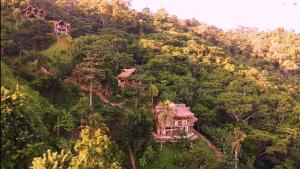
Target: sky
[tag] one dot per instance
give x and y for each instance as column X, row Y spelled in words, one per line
column 229, row 14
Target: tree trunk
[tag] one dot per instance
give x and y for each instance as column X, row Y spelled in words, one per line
column 132, row 158
column 2, row 51
column 70, row 54
column 57, row 131
column 141, row 29
column 236, row 160
column 17, row 25
column 136, row 102
column 151, row 100
column 20, row 55
column 91, row 95
column 106, row 88
column 203, row 166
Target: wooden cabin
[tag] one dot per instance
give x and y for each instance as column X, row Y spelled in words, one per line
column 61, row 27
column 42, row 13
column 29, row 12
column 124, row 78
column 173, row 122
column 33, row 13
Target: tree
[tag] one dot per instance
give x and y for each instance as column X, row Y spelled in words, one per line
column 80, row 110
column 90, row 72
column 105, row 12
column 296, row 111
column 264, row 145
column 160, row 19
column 95, row 150
column 200, row 156
column 133, row 92
column 120, row 14
column 95, row 120
column 137, row 132
column 162, row 117
column 153, row 92
column 31, row 35
column 287, row 164
column 147, row 160
column 20, row 126
column 137, row 129
column 283, row 109
column 237, row 105
column 92, row 150
column 64, row 121
column 238, row 137
column 52, row 160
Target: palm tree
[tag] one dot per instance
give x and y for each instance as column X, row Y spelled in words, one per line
column 153, row 92
column 162, row 117
column 238, row 137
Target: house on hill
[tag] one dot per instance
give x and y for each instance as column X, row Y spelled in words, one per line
column 42, row 13
column 30, row 12
column 62, row 27
column 33, row 13
column 124, row 78
column 173, row 121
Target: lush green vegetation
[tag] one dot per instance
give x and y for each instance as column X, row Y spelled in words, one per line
column 242, row 85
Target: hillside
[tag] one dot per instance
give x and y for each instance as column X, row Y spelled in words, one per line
column 60, row 95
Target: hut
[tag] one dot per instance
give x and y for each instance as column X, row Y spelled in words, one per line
column 124, row 78
column 42, row 13
column 173, row 121
column 61, row 27
column 32, row 13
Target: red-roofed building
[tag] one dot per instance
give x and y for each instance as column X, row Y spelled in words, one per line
column 42, row 13
column 33, row 13
column 124, row 78
column 173, row 121
column 61, row 27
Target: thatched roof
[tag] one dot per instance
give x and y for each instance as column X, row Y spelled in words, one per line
column 181, row 110
column 126, row 73
column 62, row 23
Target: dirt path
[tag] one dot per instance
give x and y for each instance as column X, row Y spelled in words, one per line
column 98, row 92
column 132, row 158
column 217, row 153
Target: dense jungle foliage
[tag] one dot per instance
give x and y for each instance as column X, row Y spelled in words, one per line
column 243, row 86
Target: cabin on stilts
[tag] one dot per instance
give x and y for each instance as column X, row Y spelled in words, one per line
column 125, row 78
column 173, row 122
column 62, row 27
column 34, row 13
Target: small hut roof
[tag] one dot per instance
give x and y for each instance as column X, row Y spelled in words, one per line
column 35, row 10
column 43, row 11
column 126, row 73
column 194, row 119
column 28, row 8
column 31, row 15
column 181, row 110
column 63, row 23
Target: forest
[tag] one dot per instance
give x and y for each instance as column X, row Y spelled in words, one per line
column 61, row 106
